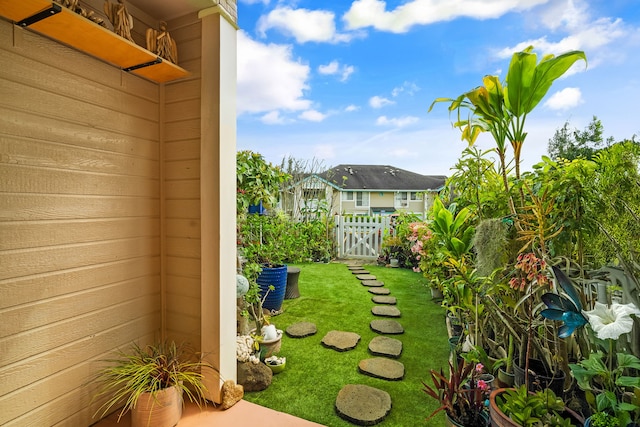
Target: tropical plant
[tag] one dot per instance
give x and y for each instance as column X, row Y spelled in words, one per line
column 542, row 408
column 150, row 369
column 460, row 394
column 257, row 181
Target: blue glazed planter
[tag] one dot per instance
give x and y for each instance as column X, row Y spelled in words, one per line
column 276, row 277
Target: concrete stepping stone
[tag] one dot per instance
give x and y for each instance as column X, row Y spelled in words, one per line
column 372, row 283
column 386, row 326
column 301, row 329
column 385, row 347
column 383, row 368
column 381, row 299
column 365, row 277
column 386, row 311
column 355, row 267
column 379, row 291
column 358, row 272
column 363, row 405
column 341, row 341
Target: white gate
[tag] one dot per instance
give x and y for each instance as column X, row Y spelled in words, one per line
column 360, row 236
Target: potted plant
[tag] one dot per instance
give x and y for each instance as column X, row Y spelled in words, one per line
column 520, row 407
column 461, row 395
column 151, row 381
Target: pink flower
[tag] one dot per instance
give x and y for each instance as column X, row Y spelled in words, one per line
column 479, row 367
column 482, row 385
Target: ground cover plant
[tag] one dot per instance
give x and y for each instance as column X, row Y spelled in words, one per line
column 333, row 299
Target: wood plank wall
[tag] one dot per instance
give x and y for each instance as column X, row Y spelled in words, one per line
column 80, row 225
column 181, row 196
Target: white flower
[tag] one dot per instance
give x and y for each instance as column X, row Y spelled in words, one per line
column 611, row 322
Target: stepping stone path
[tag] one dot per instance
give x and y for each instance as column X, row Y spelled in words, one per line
column 386, row 311
column 379, row 291
column 360, row 271
column 382, row 367
column 301, row 330
column 385, row 346
column 387, row 326
column 341, row 341
column 380, row 299
column 366, row 277
column 363, row 405
column 372, row 283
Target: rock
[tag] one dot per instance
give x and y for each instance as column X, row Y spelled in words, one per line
column 384, row 300
column 385, row 346
column 382, row 367
column 365, row 277
column 301, row 329
column 372, row 283
column 360, row 271
column 379, row 291
column 363, row 405
column 232, row 393
column 386, row 311
column 386, row 326
column 341, row 341
column 254, row 376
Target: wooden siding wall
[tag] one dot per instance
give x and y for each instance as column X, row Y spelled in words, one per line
column 80, row 225
column 181, row 165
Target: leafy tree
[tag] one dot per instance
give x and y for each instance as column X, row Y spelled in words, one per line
column 570, row 145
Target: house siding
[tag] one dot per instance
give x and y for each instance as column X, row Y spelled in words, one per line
column 80, row 224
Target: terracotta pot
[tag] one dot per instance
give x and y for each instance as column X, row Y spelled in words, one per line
column 270, row 347
column 162, row 409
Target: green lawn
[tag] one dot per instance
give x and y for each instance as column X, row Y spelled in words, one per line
column 333, row 299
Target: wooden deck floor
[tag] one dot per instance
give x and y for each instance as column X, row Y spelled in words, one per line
column 241, row 414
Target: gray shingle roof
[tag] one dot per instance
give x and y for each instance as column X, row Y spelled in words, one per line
column 380, row 177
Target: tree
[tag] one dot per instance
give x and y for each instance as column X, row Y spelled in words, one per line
column 575, row 144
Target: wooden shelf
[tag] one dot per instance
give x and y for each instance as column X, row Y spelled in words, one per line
column 80, row 33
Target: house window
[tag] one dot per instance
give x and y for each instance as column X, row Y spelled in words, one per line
column 401, row 200
column 415, row 196
column 347, row 195
column 362, row 199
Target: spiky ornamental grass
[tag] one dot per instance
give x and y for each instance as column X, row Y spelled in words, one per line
column 333, row 299
column 150, row 369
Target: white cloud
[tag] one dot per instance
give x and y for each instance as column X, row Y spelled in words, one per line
column 312, row 116
column 379, row 102
column 324, row 151
column 407, row 87
column 396, row 121
column 303, row 24
column 351, row 108
column 373, row 13
column 280, row 83
column 272, row 118
column 565, row 99
column 334, row 67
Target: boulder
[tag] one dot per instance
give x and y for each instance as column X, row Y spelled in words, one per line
column 254, row 376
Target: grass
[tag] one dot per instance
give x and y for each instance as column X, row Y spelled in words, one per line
column 333, row 299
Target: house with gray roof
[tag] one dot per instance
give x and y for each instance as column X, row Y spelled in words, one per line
column 363, row 190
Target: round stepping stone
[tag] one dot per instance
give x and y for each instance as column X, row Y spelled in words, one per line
column 386, row 347
column 379, row 291
column 360, row 271
column 386, row 326
column 355, row 267
column 301, row 330
column 366, row 277
column 341, row 341
column 382, row 367
column 363, row 405
column 380, row 299
column 372, row 283
column 386, row 311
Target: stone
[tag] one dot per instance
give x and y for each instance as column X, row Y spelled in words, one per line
column 386, row 347
column 360, row 271
column 363, row 405
column 386, row 326
column 386, row 311
column 254, row 376
column 379, row 299
column 372, row 283
column 365, row 277
column 355, row 267
column 379, row 291
column 383, row 368
column 232, row 393
column 341, row 341
column 301, row 329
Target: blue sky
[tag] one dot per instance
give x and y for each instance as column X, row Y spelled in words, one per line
column 352, row 81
